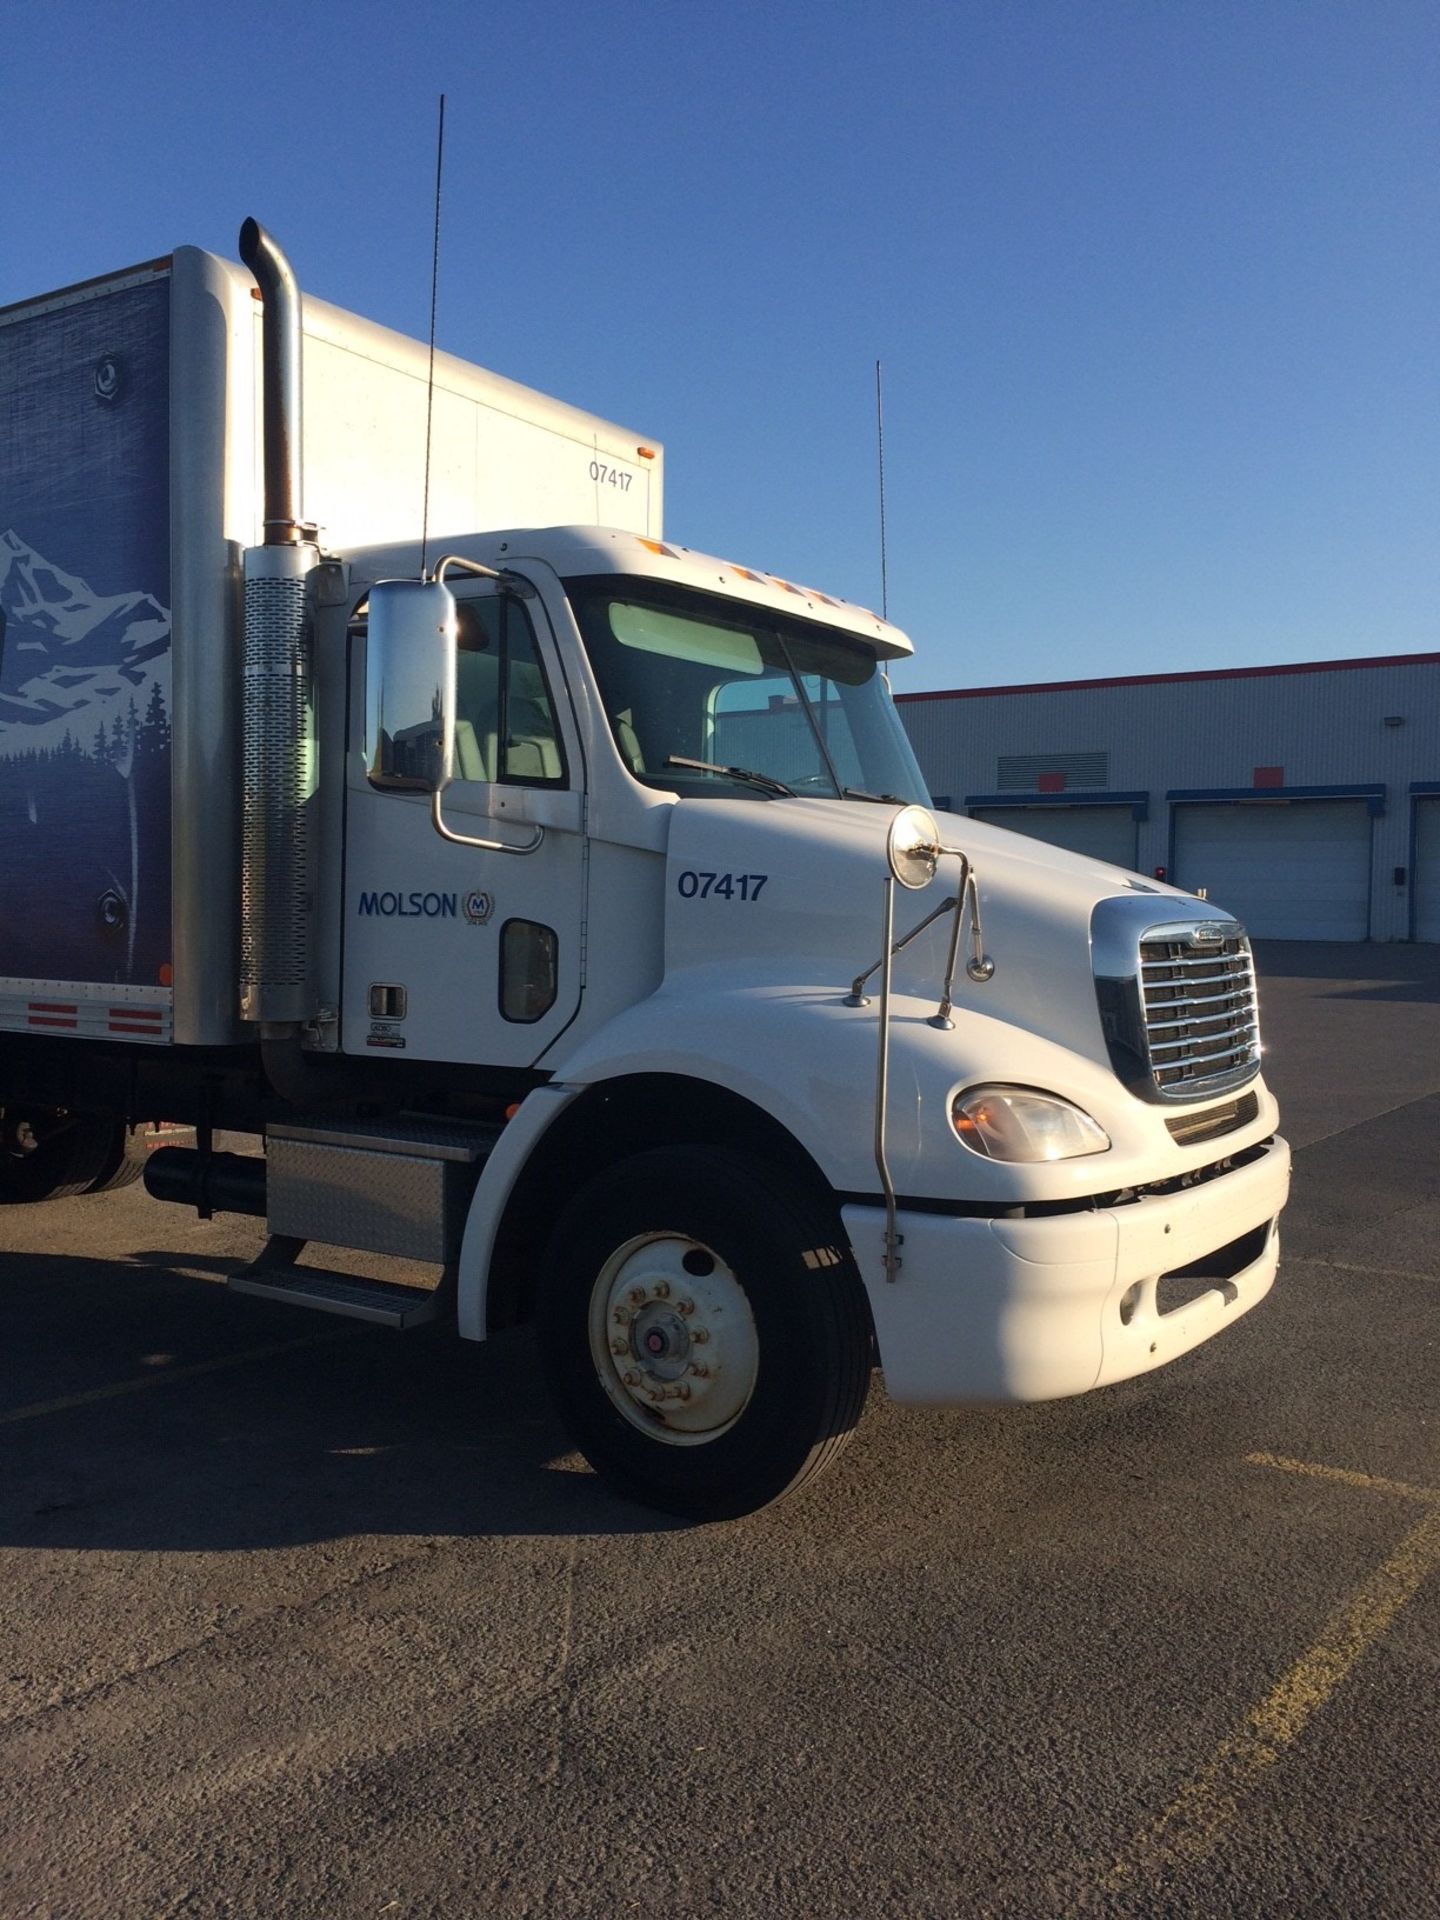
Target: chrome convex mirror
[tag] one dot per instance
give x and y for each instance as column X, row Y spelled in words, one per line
column 913, row 848
column 410, row 644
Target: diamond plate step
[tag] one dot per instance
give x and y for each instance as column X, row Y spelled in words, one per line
column 378, row 1301
column 427, row 1135
column 399, row 1186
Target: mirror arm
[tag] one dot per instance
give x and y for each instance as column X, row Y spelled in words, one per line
column 468, row 566
column 856, row 996
column 468, row 840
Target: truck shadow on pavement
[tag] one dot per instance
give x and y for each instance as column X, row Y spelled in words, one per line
column 143, row 1408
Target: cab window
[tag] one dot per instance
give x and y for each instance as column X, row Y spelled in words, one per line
column 505, row 727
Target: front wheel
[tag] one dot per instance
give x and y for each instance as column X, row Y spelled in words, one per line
column 705, row 1334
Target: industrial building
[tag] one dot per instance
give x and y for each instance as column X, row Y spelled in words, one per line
column 1303, row 798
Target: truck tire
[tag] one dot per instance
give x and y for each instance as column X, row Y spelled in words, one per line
column 705, row 1334
column 51, row 1155
column 124, row 1160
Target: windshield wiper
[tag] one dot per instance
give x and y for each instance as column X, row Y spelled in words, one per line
column 881, row 799
column 747, row 774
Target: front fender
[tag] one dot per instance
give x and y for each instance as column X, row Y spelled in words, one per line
column 532, row 1120
column 795, row 1051
column 798, row 1052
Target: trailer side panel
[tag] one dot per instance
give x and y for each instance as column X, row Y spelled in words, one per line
column 85, row 693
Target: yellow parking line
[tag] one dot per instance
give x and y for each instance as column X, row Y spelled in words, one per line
column 1366, row 1482
column 165, row 1377
column 1210, row 1802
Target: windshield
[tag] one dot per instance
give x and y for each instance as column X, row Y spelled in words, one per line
column 696, row 677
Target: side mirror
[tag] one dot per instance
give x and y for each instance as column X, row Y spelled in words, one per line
column 410, row 645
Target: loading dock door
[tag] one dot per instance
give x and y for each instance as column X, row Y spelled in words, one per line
column 1427, row 868
column 1104, row 833
column 1291, row 870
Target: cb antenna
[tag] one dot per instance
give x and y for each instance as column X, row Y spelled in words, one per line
column 430, row 381
column 880, row 450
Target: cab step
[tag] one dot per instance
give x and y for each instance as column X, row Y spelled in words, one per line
column 400, row 1186
column 276, row 1276
column 377, row 1301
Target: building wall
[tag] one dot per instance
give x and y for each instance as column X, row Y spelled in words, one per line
column 1259, row 730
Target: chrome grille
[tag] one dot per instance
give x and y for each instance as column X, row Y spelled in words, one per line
column 1199, row 1008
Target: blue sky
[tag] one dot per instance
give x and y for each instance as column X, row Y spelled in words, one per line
column 1155, row 282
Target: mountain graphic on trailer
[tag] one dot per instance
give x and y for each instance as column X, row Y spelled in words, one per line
column 70, row 653
column 84, row 776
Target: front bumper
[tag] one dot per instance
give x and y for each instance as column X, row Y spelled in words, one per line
column 1037, row 1309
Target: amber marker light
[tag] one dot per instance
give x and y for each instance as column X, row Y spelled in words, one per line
column 646, row 453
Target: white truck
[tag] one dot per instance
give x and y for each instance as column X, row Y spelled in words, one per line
column 563, row 910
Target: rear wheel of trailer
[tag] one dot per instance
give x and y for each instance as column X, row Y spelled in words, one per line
column 52, row 1154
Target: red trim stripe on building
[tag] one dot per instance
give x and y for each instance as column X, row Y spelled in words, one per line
column 1169, row 679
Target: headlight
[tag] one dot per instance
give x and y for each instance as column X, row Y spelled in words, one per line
column 1016, row 1123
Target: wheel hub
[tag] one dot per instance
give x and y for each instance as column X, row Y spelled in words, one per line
column 660, row 1341
column 673, row 1339
column 20, row 1138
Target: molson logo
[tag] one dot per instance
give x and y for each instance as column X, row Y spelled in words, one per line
column 411, row 906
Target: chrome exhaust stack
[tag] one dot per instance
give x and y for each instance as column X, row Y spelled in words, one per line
column 280, row 357
column 279, row 712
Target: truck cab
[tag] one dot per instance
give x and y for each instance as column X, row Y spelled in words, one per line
column 562, row 907
column 601, row 680
column 1053, row 1168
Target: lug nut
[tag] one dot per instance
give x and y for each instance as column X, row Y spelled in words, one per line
column 619, row 1346
column 687, row 1307
column 622, row 1316
column 700, row 1373
column 700, row 1336
column 637, row 1296
column 632, row 1379
column 662, row 1289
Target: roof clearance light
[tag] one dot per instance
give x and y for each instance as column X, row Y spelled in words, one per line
column 646, row 453
column 658, row 546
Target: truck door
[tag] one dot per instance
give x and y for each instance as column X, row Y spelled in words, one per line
column 453, row 952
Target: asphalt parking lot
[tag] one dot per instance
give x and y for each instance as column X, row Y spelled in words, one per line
column 304, row 1618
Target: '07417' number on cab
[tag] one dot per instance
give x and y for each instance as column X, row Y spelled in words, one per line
column 720, row 886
